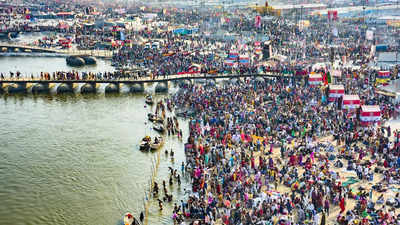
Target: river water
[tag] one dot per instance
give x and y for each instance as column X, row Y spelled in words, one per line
column 29, row 65
column 74, row 159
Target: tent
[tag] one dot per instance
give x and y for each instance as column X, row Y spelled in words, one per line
column 244, row 59
column 233, row 55
column 315, row 79
column 182, row 31
column 370, row 114
column 230, row 62
column 383, row 77
column 335, row 91
column 351, row 101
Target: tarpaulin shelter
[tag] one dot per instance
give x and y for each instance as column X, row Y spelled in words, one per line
column 383, row 77
column 335, row 91
column 351, row 102
column 244, row 59
column 315, row 79
column 230, row 62
column 233, row 55
column 370, row 114
column 182, row 31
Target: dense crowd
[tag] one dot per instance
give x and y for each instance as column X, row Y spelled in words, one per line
column 265, row 153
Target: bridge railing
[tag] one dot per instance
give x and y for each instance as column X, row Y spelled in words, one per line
column 148, row 79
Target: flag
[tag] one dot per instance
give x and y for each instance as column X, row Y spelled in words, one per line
column 328, row 77
column 324, row 79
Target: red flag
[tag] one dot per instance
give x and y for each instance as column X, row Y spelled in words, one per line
column 325, row 79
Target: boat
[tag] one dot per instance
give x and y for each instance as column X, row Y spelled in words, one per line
column 157, row 143
column 130, row 220
column 159, row 127
column 149, row 100
column 153, row 118
column 145, row 143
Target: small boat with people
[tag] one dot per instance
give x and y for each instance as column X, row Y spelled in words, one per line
column 157, row 143
column 129, row 219
column 159, row 127
column 154, row 118
column 145, row 143
column 149, row 100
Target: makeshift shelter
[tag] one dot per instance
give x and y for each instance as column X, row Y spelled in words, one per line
column 244, row 59
column 315, row 79
column 230, row 62
column 370, row 114
column 335, row 92
column 351, row 102
column 233, row 55
column 383, row 77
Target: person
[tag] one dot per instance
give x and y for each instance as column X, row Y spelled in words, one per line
column 342, row 205
column 160, row 205
column 179, row 180
column 141, row 217
column 326, row 206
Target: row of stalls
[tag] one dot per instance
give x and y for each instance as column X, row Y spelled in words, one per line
column 368, row 114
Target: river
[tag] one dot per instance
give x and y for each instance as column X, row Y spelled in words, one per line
column 74, row 159
column 46, row 64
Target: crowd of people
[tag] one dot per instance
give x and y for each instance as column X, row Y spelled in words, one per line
column 268, row 153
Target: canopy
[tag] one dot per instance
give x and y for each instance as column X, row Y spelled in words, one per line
column 233, row 55
column 315, row 79
column 383, row 77
column 244, row 59
column 384, row 74
column 230, row 62
column 335, row 91
column 370, row 113
column 351, row 101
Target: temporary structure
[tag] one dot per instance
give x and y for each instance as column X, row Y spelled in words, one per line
column 315, row 79
column 383, row 77
column 335, row 92
column 370, row 114
column 351, row 101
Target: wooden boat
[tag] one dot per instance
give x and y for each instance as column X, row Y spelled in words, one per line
column 145, row 143
column 157, row 143
column 153, row 118
column 159, row 127
column 130, row 220
column 149, row 100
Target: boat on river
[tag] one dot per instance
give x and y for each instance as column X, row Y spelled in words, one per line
column 157, row 143
column 153, row 118
column 149, row 100
column 130, row 220
column 145, row 143
column 159, row 127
